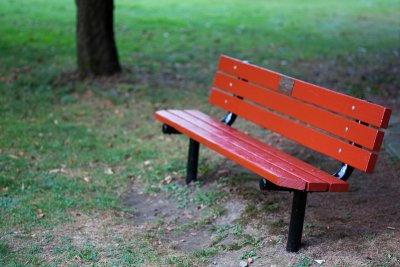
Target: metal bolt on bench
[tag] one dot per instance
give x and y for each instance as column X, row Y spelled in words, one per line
column 343, row 127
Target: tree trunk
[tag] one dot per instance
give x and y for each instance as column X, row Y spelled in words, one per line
column 96, row 49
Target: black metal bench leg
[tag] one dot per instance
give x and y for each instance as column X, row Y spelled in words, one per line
column 193, row 160
column 296, row 221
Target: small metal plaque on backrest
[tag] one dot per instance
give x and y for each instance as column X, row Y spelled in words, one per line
column 286, row 85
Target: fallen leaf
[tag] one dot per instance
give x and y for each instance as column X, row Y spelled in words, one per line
column 168, row 179
column 147, row 163
column 4, row 189
column 108, row 171
column 41, row 214
column 54, row 171
column 62, row 170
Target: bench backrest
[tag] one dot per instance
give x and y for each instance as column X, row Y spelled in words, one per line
column 340, row 126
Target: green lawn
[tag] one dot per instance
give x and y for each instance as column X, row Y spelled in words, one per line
column 69, row 146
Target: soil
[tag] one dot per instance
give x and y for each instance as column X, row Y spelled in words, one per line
column 360, row 227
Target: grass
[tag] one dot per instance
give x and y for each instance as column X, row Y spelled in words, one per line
column 69, row 148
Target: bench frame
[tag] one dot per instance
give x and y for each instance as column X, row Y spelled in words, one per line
column 299, row 196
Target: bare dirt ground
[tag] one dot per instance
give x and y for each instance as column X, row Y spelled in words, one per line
column 357, row 228
column 361, row 227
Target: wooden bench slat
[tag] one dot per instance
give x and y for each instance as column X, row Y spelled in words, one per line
column 249, row 72
column 352, row 107
column 343, row 127
column 323, row 143
column 244, row 141
column 358, row 109
column 288, row 162
column 237, row 154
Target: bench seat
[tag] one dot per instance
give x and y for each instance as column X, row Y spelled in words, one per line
column 270, row 163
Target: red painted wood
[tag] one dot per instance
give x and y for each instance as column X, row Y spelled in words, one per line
column 286, row 161
column 349, row 106
column 246, row 142
column 249, row 72
column 235, row 153
column 343, row 104
column 323, row 143
column 343, row 127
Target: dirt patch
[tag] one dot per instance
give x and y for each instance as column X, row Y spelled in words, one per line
column 354, row 228
column 361, row 227
column 152, row 207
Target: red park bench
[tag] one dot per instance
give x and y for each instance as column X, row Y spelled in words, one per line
column 337, row 125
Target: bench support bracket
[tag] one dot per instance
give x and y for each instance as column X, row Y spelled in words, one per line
column 267, row 185
column 229, row 119
column 166, row 129
column 193, row 160
column 296, row 221
column 344, row 172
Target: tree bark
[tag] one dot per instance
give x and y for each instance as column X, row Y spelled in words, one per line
column 96, row 49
